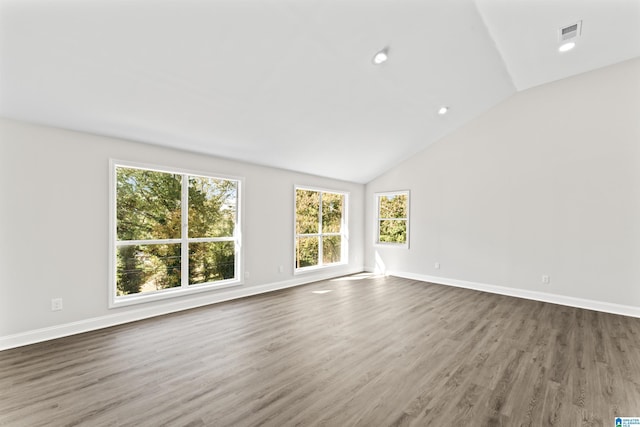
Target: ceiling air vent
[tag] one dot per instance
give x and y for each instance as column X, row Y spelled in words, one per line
column 570, row 31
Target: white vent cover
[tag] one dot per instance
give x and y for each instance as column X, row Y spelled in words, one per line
column 570, row 31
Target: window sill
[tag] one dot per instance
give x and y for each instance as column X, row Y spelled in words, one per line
column 306, row 270
column 128, row 300
column 391, row 245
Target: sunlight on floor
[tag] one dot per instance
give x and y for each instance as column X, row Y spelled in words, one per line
column 359, row 276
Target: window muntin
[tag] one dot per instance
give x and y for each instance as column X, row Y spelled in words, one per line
column 392, row 218
column 174, row 232
column 320, row 228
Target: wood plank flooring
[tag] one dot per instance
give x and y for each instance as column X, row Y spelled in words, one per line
column 373, row 351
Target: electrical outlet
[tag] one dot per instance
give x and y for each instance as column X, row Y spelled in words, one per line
column 246, row 274
column 436, row 265
column 545, row 278
column 56, row 304
column 281, row 269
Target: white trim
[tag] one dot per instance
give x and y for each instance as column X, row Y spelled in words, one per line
column 606, row 307
column 184, row 240
column 174, row 170
column 112, row 235
column 312, row 268
column 178, row 291
column 147, row 242
column 211, row 239
column 145, row 312
column 343, row 234
column 115, row 301
column 376, row 225
column 322, row 189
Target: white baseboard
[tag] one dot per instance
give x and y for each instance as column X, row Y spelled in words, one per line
column 158, row 309
column 606, row 307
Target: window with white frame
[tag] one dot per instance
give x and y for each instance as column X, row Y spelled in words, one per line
column 320, row 228
column 392, row 218
column 173, row 232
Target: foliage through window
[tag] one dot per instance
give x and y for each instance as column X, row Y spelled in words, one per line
column 320, row 228
column 173, row 230
column 392, row 217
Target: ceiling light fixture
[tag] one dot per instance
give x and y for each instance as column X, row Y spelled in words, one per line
column 443, row 110
column 381, row 56
column 566, row 47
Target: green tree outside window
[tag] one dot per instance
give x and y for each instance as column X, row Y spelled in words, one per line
column 393, row 217
column 152, row 228
column 319, row 227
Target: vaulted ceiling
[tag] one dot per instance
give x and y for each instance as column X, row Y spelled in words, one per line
column 290, row 83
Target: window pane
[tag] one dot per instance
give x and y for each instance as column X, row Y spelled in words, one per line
column 211, row 261
column 331, row 249
column 394, row 206
column 331, row 212
column 393, row 231
column 307, row 211
column 146, row 268
column 212, row 207
column 147, row 204
column 306, row 252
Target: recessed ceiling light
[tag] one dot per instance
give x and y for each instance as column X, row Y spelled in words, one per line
column 566, row 47
column 380, row 57
column 443, row 110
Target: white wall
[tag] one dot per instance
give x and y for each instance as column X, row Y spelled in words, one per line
column 54, row 223
column 546, row 183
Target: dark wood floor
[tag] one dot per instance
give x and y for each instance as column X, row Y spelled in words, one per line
column 372, row 352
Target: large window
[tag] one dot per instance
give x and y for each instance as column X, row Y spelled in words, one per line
column 320, row 228
column 173, row 232
column 392, row 218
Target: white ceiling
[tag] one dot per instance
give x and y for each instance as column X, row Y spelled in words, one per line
column 526, row 33
column 290, row 83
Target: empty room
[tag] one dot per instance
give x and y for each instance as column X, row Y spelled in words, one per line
column 319, row 213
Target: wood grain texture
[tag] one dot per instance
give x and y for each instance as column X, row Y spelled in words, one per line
column 375, row 351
